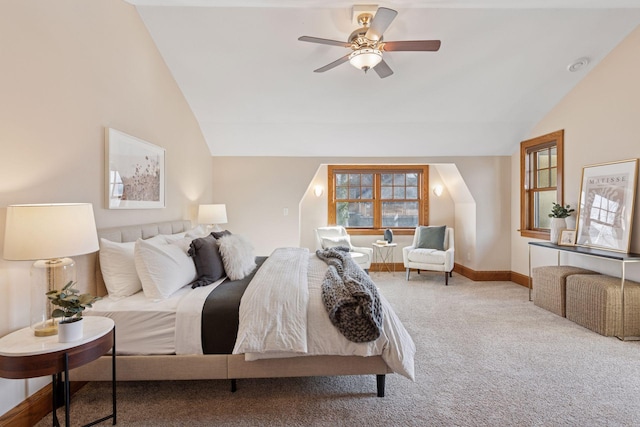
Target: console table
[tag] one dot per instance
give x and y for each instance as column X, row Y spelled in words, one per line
column 622, row 258
column 23, row 355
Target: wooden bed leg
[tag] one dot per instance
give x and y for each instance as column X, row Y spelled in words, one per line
column 233, row 386
column 380, row 384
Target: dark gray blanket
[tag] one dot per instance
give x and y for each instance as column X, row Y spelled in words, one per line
column 220, row 315
column 350, row 297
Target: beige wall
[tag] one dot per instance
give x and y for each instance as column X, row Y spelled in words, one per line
column 70, row 68
column 601, row 119
column 314, row 213
column 258, row 189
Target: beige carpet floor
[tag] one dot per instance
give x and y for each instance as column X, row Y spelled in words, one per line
column 486, row 356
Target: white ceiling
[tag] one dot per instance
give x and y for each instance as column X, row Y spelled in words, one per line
column 501, row 68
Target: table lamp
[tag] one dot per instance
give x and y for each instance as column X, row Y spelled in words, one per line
column 212, row 215
column 48, row 234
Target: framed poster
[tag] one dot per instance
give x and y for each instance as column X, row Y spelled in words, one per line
column 134, row 172
column 605, row 211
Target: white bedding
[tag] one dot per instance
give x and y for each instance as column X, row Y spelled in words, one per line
column 173, row 326
column 273, row 309
column 394, row 344
column 143, row 326
column 146, row 326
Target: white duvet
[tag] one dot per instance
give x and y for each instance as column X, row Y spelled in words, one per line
column 264, row 330
column 273, row 308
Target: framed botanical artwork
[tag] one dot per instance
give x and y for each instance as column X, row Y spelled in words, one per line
column 135, row 176
column 567, row 237
column 605, row 211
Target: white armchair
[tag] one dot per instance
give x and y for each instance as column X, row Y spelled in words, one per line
column 327, row 237
column 430, row 259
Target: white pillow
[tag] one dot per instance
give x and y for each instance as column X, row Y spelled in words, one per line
column 118, row 268
column 184, row 243
column 163, row 267
column 198, row 231
column 237, row 256
column 332, row 242
column 182, row 239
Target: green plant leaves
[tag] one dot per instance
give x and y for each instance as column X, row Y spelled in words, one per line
column 70, row 300
column 559, row 211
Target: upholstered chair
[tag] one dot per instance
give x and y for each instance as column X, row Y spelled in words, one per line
column 337, row 235
column 430, row 251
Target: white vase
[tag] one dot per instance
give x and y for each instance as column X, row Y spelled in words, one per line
column 70, row 332
column 557, row 224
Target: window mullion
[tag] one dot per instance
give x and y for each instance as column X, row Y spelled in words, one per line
column 377, row 202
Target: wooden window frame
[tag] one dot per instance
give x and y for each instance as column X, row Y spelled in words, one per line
column 377, row 170
column 526, row 197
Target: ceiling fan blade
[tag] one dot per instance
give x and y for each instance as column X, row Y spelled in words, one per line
column 380, row 23
column 324, row 41
column 412, row 45
column 333, row 64
column 383, row 70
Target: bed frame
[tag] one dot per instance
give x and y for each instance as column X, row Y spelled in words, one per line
column 207, row 366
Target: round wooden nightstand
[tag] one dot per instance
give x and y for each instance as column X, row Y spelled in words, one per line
column 23, row 355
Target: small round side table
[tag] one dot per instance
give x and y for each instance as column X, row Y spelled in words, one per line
column 23, row 355
column 383, row 254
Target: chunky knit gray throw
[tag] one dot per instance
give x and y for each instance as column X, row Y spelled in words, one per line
column 350, row 296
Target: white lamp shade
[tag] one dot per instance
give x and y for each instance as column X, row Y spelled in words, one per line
column 212, row 214
column 48, row 231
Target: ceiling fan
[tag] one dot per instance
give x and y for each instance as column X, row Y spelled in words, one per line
column 367, row 45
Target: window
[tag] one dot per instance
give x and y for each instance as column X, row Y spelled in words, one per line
column 368, row 199
column 541, row 161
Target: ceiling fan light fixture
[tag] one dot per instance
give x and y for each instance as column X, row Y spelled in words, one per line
column 365, row 58
column 366, row 42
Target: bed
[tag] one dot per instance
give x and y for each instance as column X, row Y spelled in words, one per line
column 164, row 359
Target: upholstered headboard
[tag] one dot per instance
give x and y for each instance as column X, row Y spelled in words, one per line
column 131, row 233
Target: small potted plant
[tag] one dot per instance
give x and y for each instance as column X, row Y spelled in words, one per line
column 558, row 221
column 71, row 304
column 559, row 211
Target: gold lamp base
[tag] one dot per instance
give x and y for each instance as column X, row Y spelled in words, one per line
column 48, row 275
column 49, row 328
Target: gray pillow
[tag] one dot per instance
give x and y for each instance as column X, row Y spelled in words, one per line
column 208, row 261
column 432, row 237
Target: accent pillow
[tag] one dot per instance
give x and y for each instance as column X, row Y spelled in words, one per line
column 118, row 268
column 207, row 259
column 237, row 256
column 163, row 267
column 432, row 237
column 332, row 242
column 218, row 234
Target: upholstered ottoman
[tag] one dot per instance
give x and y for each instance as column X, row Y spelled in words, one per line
column 549, row 286
column 593, row 301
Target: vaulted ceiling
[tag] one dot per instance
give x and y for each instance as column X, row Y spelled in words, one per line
column 500, row 69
